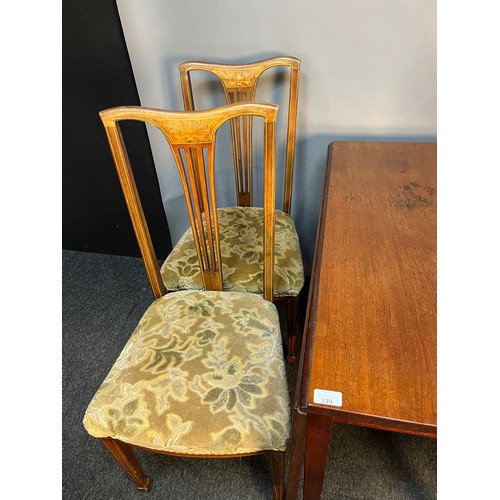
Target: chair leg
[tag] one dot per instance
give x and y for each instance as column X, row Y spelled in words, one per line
column 297, row 449
column 277, row 465
column 291, row 305
column 124, row 454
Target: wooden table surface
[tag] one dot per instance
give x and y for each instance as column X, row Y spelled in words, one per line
column 370, row 334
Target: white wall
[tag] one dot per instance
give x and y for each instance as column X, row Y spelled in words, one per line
column 368, row 72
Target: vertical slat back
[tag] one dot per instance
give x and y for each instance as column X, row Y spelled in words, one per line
column 242, row 147
column 192, row 136
column 239, row 82
column 197, row 178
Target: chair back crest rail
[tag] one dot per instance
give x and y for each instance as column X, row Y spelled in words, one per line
column 192, row 137
column 239, row 82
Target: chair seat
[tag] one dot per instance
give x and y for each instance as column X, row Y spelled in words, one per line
column 203, row 373
column 240, row 233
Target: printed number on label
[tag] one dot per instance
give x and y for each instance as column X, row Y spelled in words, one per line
column 329, row 398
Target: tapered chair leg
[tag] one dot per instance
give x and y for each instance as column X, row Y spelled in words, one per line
column 124, row 454
column 277, row 465
column 291, row 305
column 297, row 447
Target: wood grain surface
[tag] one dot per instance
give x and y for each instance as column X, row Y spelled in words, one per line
column 373, row 324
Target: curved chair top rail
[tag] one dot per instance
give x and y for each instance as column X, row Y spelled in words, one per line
column 240, row 75
column 189, row 127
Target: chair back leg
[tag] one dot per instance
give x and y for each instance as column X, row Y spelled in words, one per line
column 291, row 306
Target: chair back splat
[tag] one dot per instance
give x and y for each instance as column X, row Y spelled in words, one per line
column 192, row 137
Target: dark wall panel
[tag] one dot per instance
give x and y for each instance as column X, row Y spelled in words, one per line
column 97, row 75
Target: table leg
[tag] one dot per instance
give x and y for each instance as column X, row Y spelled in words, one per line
column 318, row 432
column 296, row 453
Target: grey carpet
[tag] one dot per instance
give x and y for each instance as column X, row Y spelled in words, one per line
column 103, row 298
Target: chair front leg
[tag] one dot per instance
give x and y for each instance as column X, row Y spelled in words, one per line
column 124, row 454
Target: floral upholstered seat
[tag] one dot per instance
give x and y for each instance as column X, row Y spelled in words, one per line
column 203, row 374
column 240, row 232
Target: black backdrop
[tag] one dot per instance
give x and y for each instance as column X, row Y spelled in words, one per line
column 96, row 75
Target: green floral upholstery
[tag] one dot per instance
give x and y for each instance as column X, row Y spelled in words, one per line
column 241, row 237
column 203, row 373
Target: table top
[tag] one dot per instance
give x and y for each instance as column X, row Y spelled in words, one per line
column 371, row 335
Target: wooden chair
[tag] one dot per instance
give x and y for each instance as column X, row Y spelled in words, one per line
column 203, row 373
column 180, row 271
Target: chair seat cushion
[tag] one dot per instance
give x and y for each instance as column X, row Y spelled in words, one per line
column 203, row 373
column 241, row 241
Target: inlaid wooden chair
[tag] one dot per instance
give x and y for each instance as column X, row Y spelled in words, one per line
column 239, row 224
column 203, row 373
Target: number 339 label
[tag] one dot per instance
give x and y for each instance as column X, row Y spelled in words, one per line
column 329, row 398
